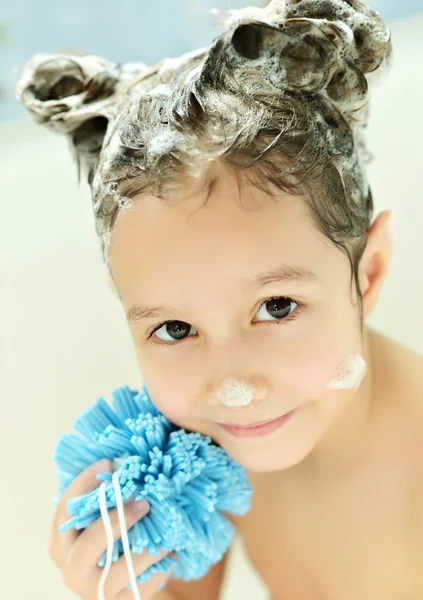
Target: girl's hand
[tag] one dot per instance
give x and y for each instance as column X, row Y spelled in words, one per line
column 76, row 553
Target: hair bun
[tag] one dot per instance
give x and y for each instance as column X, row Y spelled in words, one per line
column 326, row 47
column 62, row 90
column 76, row 96
column 307, row 59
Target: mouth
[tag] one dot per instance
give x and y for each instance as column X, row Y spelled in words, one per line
column 254, row 430
column 252, row 425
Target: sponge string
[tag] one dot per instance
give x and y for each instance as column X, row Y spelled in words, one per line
column 110, row 541
column 124, row 535
column 109, row 535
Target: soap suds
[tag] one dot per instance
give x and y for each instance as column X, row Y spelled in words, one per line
column 350, row 375
column 234, row 392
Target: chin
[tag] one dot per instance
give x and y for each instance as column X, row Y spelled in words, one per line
column 204, row 429
column 263, row 459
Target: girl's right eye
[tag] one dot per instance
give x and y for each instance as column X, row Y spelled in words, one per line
column 175, row 330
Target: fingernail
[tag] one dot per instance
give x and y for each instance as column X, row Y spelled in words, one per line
column 102, row 465
column 141, row 505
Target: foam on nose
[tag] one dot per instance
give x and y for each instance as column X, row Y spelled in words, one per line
column 350, row 374
column 235, row 392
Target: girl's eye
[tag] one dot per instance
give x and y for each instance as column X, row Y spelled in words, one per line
column 281, row 307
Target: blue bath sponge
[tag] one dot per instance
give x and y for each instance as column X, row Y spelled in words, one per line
column 185, row 477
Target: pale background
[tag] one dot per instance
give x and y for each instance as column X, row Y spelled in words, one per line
column 64, row 340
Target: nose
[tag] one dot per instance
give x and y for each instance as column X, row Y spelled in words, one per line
column 237, row 391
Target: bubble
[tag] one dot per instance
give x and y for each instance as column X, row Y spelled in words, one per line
column 350, row 374
column 235, row 392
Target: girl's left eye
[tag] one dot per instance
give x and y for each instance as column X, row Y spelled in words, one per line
column 280, row 305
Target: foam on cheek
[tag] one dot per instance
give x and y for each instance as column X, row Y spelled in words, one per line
column 234, row 392
column 350, row 375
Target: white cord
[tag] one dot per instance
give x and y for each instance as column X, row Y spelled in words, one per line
column 110, row 541
column 109, row 535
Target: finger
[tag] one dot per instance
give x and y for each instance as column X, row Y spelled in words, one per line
column 91, row 544
column 118, row 578
column 62, row 543
column 147, row 590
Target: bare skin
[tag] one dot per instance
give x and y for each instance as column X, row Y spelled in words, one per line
column 309, row 533
column 336, row 510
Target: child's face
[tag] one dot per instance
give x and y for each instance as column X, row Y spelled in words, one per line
column 200, row 266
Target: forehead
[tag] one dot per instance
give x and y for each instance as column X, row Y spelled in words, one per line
column 239, row 231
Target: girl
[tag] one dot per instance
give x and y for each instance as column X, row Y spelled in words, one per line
column 236, row 222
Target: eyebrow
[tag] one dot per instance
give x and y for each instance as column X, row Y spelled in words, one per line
column 281, row 274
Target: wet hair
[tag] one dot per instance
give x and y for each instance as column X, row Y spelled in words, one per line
column 282, row 96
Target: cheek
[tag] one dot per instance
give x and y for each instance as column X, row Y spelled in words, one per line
column 169, row 393
column 309, row 366
column 308, row 372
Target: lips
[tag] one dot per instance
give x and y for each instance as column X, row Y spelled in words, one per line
column 257, row 430
column 251, row 425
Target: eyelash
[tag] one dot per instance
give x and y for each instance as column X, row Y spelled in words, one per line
column 291, row 317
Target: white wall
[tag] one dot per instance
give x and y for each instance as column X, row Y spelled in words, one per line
column 64, row 341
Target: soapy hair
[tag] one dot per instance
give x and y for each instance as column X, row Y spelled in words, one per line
column 282, row 95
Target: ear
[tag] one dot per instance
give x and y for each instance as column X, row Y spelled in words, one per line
column 376, row 260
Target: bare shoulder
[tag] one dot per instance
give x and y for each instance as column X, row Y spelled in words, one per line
column 410, row 379
column 408, row 366
column 391, row 348
column 401, row 369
